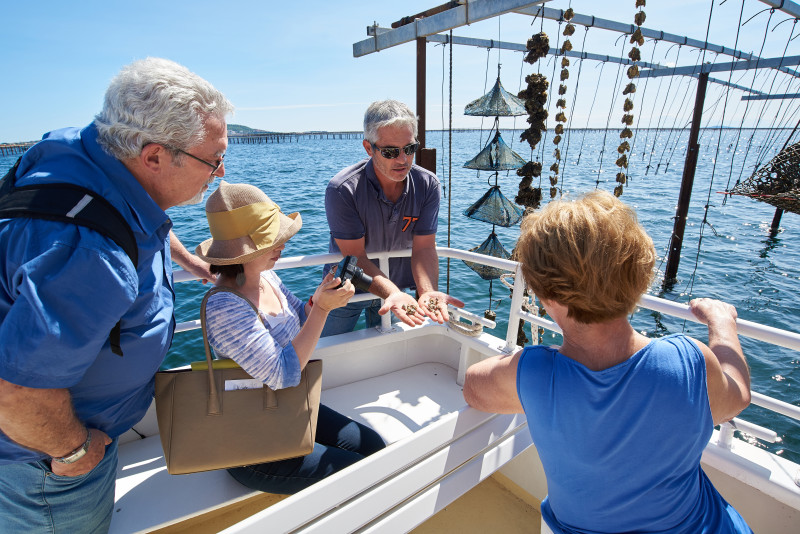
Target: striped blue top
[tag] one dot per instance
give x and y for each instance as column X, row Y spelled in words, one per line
column 261, row 345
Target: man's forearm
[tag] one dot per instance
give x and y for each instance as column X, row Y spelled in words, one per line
column 40, row 419
column 181, row 255
column 188, row 261
column 425, row 267
column 381, row 285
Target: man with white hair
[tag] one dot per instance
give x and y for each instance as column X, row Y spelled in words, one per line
column 67, row 390
column 386, row 203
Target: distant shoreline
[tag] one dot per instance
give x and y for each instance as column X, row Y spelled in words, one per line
column 5, row 147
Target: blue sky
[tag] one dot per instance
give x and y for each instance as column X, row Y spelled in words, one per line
column 289, row 66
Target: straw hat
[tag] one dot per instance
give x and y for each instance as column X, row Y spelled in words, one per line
column 244, row 224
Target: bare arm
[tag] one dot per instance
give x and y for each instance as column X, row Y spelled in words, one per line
column 43, row 420
column 381, row 285
column 425, row 267
column 395, row 299
column 491, row 385
column 188, row 261
column 727, row 373
column 425, row 263
column 326, row 298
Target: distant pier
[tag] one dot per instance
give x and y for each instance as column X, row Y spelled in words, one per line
column 9, row 149
column 277, row 137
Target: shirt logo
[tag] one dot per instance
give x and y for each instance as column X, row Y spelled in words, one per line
column 408, row 221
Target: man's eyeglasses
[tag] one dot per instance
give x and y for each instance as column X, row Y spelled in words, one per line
column 214, row 166
column 391, row 152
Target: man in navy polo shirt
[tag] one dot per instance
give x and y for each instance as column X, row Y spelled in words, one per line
column 386, row 203
column 65, row 395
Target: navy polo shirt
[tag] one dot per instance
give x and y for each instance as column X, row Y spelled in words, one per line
column 356, row 207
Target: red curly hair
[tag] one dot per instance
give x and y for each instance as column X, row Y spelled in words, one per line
column 590, row 255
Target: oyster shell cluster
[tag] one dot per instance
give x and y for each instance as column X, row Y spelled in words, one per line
column 637, row 40
column 535, row 97
column 561, row 103
column 538, row 46
column 528, row 196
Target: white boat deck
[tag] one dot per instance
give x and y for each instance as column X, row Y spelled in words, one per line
column 396, row 405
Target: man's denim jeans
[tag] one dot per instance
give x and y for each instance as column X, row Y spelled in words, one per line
column 33, row 499
column 344, row 319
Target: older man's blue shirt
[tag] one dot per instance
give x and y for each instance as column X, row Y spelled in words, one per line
column 63, row 288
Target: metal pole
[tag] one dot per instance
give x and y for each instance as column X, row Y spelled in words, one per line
column 421, row 74
column 676, row 243
column 450, row 157
column 776, row 222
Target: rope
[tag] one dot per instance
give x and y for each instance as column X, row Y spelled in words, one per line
column 641, row 113
column 572, row 114
column 690, row 285
column 747, row 104
column 468, row 329
column 663, row 107
column 773, row 132
column 504, row 280
column 450, row 159
column 485, row 81
column 760, row 115
column 730, row 76
column 652, row 149
column 706, row 112
column 610, row 112
column 550, row 97
column 591, row 107
column 681, row 109
column 444, row 45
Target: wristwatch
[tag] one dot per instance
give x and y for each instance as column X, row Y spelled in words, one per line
column 78, row 453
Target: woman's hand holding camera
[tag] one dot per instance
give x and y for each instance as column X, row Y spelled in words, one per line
column 328, row 297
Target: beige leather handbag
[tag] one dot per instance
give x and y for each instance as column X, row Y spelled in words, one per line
column 214, row 416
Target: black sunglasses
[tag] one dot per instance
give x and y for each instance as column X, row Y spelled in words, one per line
column 391, row 152
column 212, row 165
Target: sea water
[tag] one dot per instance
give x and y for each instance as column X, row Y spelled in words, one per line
column 727, row 253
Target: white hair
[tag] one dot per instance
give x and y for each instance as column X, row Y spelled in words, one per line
column 387, row 113
column 156, row 100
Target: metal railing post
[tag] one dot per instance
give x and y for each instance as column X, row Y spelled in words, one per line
column 516, row 304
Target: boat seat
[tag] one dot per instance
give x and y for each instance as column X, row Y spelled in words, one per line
column 396, row 405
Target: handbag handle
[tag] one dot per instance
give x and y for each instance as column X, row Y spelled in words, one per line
column 214, row 407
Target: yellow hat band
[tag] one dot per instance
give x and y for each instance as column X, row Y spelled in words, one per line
column 260, row 221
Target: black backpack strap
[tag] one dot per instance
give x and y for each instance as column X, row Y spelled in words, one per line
column 7, row 182
column 70, row 204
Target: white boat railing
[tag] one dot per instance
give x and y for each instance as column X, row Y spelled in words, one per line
column 775, row 336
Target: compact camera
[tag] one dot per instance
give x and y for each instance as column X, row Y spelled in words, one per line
column 348, row 270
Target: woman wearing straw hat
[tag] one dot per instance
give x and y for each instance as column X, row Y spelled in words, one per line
column 248, row 234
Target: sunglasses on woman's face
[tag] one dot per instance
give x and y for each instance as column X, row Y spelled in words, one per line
column 391, row 152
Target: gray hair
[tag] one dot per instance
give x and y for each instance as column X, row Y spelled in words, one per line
column 156, row 100
column 387, row 113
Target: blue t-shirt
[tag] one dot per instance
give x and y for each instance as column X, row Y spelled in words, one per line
column 356, row 207
column 63, row 288
column 621, row 447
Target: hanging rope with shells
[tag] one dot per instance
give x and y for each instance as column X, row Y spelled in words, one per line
column 561, row 103
column 627, row 107
column 535, row 98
